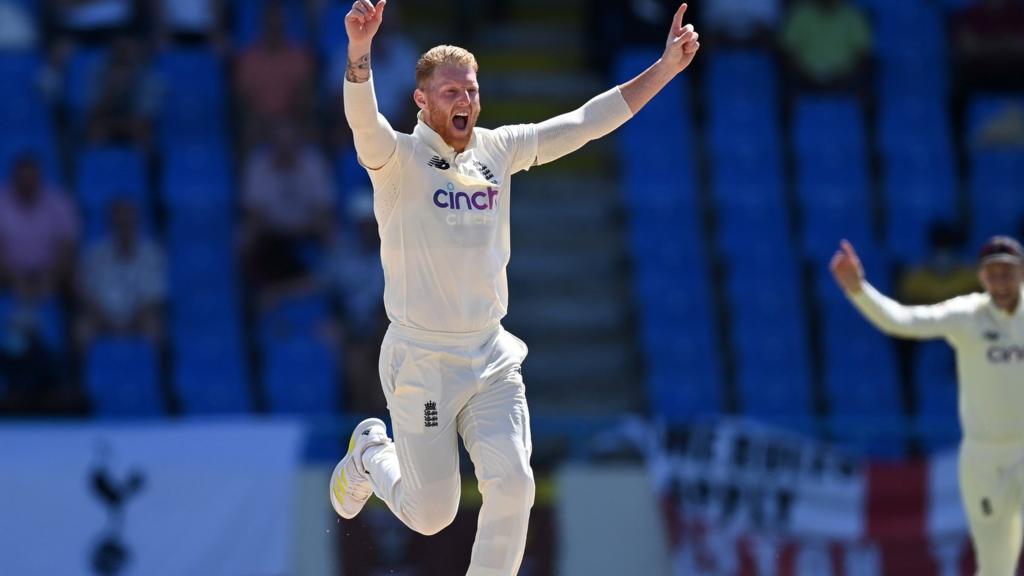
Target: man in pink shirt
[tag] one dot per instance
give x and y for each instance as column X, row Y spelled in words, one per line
column 38, row 233
column 274, row 79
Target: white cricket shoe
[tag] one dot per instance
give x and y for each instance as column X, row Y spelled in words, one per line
column 350, row 483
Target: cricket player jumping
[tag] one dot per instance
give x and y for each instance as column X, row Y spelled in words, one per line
column 987, row 332
column 448, row 368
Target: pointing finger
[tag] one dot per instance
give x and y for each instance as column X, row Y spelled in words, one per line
column 677, row 20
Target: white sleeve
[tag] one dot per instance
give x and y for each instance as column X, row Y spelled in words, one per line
column 374, row 138
column 568, row 132
column 916, row 322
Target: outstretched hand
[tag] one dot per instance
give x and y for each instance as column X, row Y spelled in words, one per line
column 847, row 269
column 363, row 21
column 682, row 43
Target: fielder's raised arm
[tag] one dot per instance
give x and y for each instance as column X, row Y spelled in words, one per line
column 889, row 316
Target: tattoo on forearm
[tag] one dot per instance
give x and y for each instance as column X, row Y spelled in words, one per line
column 359, row 69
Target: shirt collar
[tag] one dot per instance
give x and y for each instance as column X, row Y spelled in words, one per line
column 424, row 132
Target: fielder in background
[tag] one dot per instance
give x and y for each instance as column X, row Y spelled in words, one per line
column 448, row 368
column 987, row 331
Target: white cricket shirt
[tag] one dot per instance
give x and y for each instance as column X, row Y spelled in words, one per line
column 989, row 346
column 444, row 217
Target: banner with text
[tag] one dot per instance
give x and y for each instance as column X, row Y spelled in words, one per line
column 743, row 499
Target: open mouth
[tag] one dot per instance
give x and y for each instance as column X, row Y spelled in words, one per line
column 460, row 121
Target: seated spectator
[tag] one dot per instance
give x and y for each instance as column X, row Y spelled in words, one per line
column 352, row 276
column 18, row 29
column 274, row 78
column 38, row 233
column 31, row 366
column 740, row 22
column 122, row 282
column 827, row 45
column 93, row 21
column 944, row 275
column 123, row 97
column 989, row 45
column 189, row 21
column 288, row 204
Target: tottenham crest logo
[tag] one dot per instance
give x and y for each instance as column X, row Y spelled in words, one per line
column 430, row 414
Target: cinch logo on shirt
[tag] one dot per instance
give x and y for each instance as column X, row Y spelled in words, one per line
column 1005, row 354
column 454, row 200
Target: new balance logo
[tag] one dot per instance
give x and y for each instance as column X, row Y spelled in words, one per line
column 991, row 335
column 430, row 414
column 986, row 507
column 366, row 432
column 439, row 163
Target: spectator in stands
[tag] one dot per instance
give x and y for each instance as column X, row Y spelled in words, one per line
column 38, row 233
column 19, row 31
column 741, row 22
column 352, row 275
column 122, row 282
column 123, row 96
column 274, row 79
column 288, row 203
column 989, row 45
column 944, row 274
column 827, row 45
column 189, row 21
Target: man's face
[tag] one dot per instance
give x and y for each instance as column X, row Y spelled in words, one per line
column 450, row 102
column 1002, row 281
column 26, row 180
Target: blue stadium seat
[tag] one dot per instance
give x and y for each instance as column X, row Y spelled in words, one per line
column 665, row 117
column 193, row 106
column 105, row 174
column 935, row 387
column 211, row 375
column 248, row 22
column 773, row 374
column 828, row 125
column 122, row 378
column 918, row 190
column 915, row 125
column 47, row 317
column 78, row 74
column 301, row 376
column 198, row 176
column 294, row 317
column 997, row 204
column 685, row 374
column 331, row 35
column 742, row 95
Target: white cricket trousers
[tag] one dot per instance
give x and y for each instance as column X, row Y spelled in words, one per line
column 991, row 479
column 438, row 386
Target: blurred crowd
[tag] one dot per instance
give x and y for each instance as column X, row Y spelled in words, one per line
column 301, row 216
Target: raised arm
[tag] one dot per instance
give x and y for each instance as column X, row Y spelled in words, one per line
column 606, row 112
column 889, row 316
column 374, row 138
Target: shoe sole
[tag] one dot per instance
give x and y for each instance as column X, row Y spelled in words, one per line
column 339, row 488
